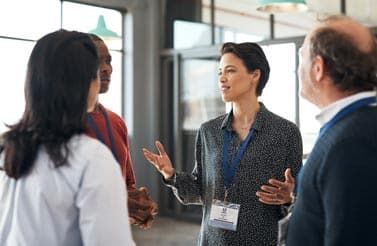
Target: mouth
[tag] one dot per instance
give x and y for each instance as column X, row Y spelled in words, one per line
column 224, row 88
column 105, row 80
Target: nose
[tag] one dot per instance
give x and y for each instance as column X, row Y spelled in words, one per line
column 222, row 78
column 106, row 68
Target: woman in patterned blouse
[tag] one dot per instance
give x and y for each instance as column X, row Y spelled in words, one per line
column 236, row 155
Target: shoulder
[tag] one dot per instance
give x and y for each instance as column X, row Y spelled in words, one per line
column 277, row 123
column 351, row 158
column 359, row 125
column 215, row 123
column 112, row 115
column 85, row 150
column 211, row 128
column 116, row 120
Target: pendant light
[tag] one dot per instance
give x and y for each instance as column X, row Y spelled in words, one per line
column 281, row 6
column 102, row 31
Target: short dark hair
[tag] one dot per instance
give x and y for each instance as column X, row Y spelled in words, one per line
column 253, row 58
column 60, row 70
column 349, row 68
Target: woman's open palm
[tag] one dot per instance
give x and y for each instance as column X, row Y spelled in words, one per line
column 160, row 161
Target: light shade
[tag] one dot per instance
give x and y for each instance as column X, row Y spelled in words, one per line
column 102, row 31
column 276, row 6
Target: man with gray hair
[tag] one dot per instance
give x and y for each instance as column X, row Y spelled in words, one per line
column 337, row 194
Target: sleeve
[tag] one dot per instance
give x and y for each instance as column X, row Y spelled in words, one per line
column 188, row 187
column 129, row 170
column 347, row 182
column 293, row 160
column 294, row 157
column 127, row 164
column 102, row 202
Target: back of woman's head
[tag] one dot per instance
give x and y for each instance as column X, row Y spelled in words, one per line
column 61, row 68
column 253, row 58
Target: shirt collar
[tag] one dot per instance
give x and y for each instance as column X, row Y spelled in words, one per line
column 331, row 110
column 258, row 122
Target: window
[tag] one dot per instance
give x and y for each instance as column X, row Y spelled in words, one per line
column 19, row 30
column 279, row 95
column 73, row 19
column 200, row 95
column 12, row 100
column 29, row 19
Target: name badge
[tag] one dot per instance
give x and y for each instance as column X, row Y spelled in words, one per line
column 224, row 215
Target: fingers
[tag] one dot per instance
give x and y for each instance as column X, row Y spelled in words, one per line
column 138, row 215
column 136, row 204
column 145, row 224
column 288, row 176
column 154, row 211
column 270, row 189
column 160, row 148
column 268, row 198
column 141, row 208
column 278, row 184
column 144, row 190
column 152, row 158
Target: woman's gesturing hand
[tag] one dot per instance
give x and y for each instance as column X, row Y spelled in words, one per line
column 277, row 192
column 160, row 161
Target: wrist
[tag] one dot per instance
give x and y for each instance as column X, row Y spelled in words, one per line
column 170, row 175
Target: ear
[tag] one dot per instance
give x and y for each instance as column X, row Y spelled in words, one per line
column 318, row 68
column 255, row 75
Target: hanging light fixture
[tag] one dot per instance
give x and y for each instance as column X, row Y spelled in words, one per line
column 276, row 6
column 102, row 31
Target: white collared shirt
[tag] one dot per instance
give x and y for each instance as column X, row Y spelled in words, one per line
column 331, row 110
column 83, row 203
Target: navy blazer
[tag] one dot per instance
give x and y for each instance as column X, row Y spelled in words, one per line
column 337, row 193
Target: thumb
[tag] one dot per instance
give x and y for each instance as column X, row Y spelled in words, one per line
column 288, row 176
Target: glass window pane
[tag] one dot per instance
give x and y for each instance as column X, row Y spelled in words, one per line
column 12, row 101
column 293, row 25
column 279, row 93
column 29, row 19
column 239, row 17
column 85, row 18
column 200, row 95
column 189, row 34
column 309, row 126
column 112, row 99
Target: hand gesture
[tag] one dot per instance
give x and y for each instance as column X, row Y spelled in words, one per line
column 160, row 161
column 141, row 208
column 277, row 192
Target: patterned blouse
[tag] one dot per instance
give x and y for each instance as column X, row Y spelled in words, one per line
column 275, row 146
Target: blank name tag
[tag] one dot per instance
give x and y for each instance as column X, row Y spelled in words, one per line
column 224, row 215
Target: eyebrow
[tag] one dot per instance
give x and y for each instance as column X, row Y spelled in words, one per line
column 228, row 66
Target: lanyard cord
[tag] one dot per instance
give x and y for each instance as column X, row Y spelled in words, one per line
column 99, row 136
column 229, row 171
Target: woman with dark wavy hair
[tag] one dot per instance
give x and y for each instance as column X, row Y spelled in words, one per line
column 57, row 185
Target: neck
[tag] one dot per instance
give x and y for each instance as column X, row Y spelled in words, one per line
column 92, row 104
column 332, row 95
column 244, row 112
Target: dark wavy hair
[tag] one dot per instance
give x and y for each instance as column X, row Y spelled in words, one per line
column 349, row 68
column 253, row 58
column 60, row 70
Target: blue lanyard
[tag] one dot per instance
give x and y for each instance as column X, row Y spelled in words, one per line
column 229, row 171
column 340, row 115
column 94, row 126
